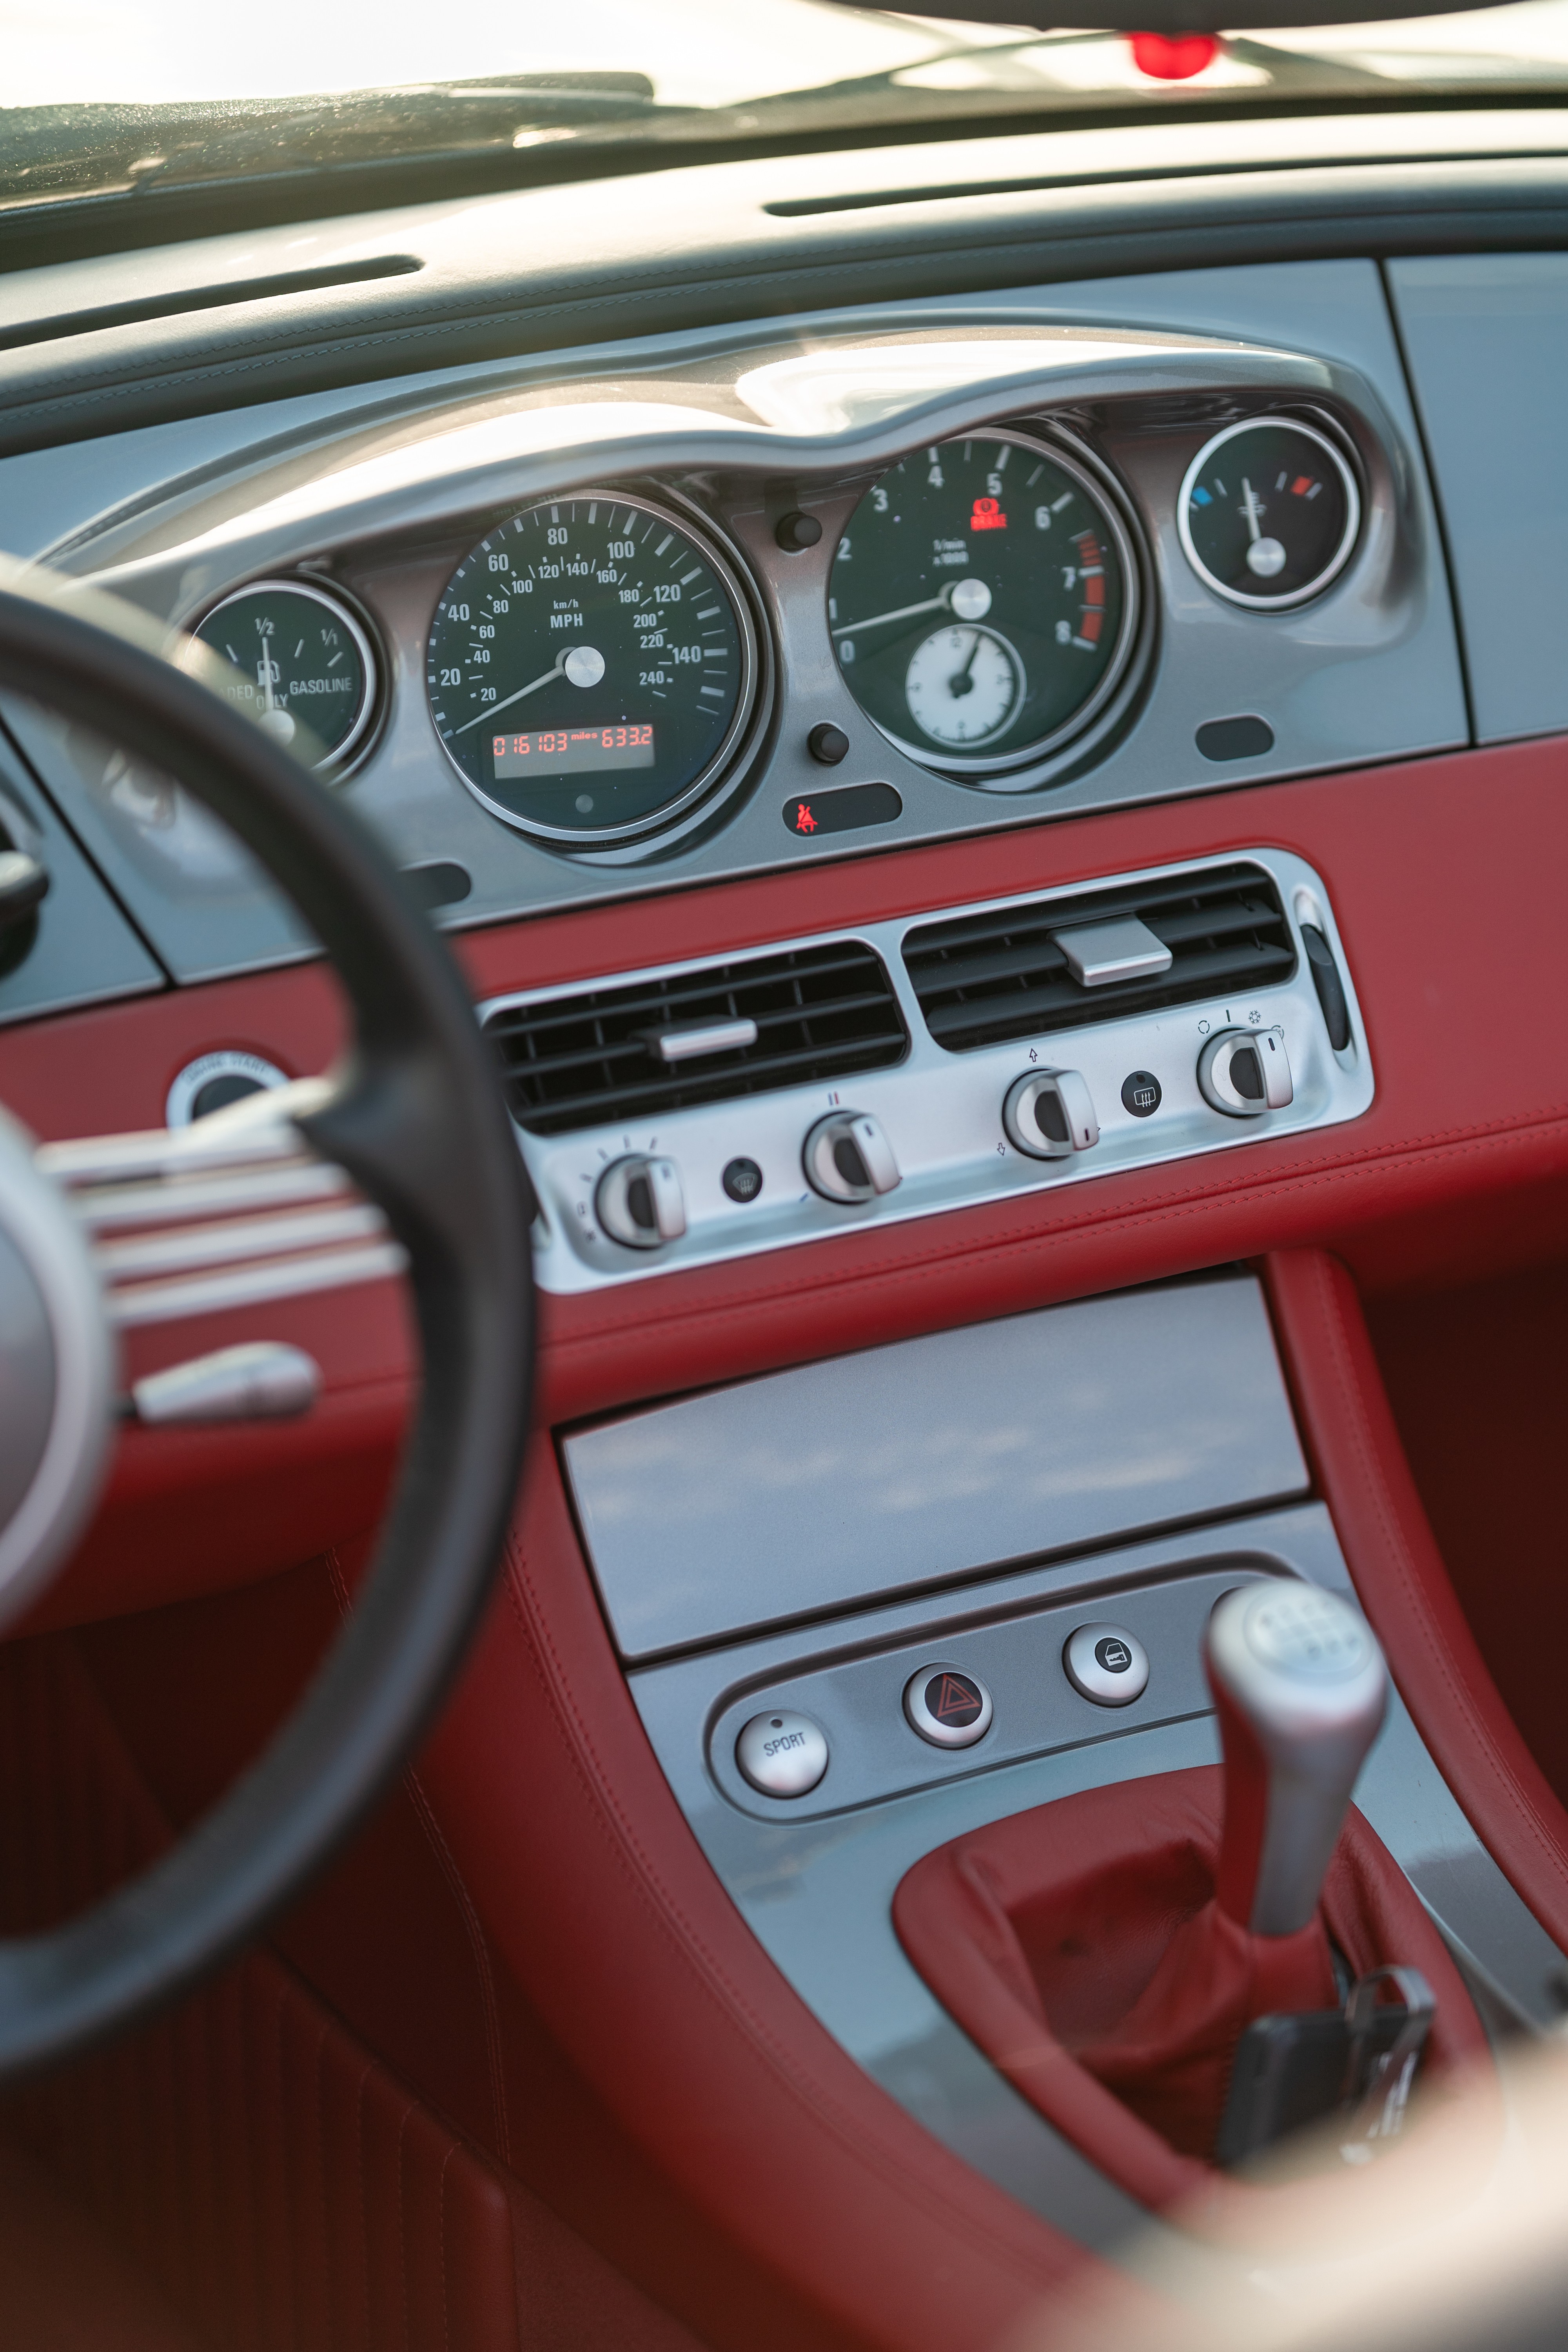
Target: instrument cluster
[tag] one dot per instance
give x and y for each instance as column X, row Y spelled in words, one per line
column 600, row 668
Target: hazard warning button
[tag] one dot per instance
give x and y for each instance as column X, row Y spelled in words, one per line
column 947, row 1706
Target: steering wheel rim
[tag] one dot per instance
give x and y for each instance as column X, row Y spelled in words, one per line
column 418, row 1121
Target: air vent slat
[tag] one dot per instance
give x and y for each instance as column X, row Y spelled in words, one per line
column 581, row 1061
column 705, row 994
column 990, row 977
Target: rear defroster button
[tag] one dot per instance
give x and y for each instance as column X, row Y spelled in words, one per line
column 783, row 1755
column 1106, row 1663
column 949, row 1709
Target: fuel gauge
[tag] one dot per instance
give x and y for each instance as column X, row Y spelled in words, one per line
column 299, row 661
column 1269, row 513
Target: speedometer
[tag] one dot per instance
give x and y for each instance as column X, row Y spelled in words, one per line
column 592, row 668
column 983, row 602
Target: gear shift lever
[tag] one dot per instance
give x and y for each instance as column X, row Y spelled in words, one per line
column 1300, row 1687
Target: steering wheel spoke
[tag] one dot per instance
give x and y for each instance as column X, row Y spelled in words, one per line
column 237, row 1210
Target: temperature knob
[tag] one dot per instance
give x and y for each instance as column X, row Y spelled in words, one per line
column 1050, row 1115
column 639, row 1201
column 1245, row 1072
column 846, row 1157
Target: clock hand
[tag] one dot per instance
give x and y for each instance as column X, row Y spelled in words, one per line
column 962, row 680
column 491, row 709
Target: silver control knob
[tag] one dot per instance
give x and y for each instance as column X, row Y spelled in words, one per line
column 1245, row 1072
column 1300, row 1687
column 1050, row 1115
column 639, row 1201
column 846, row 1157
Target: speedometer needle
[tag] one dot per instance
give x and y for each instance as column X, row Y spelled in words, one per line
column 491, row 709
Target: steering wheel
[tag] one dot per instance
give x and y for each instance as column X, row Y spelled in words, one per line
column 415, row 1118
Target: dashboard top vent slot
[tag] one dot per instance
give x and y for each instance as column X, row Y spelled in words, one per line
column 984, row 978
column 819, row 1013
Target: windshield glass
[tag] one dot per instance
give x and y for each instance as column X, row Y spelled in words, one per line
column 100, row 98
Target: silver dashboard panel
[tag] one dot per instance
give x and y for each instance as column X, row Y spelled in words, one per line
column 941, row 1111
column 386, row 491
column 1487, row 340
column 84, row 951
column 817, row 1891
column 840, row 1482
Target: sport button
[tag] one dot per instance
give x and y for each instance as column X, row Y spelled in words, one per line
column 947, row 1707
column 783, row 1755
column 1106, row 1663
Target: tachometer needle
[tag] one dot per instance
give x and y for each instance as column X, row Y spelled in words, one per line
column 555, row 670
column 902, row 613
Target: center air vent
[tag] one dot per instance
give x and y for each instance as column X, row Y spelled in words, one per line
column 988, row 977
column 820, row 1013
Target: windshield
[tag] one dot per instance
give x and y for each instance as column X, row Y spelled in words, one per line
column 99, row 98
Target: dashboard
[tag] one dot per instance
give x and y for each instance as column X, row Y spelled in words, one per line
column 763, row 601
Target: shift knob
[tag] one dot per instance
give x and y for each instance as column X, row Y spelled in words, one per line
column 1300, row 1687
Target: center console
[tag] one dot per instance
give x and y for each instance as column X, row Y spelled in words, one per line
column 873, row 1606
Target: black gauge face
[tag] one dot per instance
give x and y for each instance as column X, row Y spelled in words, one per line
column 590, row 669
column 982, row 602
column 299, row 661
column 1269, row 513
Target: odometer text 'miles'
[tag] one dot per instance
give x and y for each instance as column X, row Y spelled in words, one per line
column 981, row 604
column 590, row 669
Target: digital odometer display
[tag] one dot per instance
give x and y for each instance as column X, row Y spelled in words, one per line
column 980, row 602
column 573, row 750
column 590, row 669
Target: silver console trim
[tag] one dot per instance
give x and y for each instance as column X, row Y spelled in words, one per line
column 815, row 1886
column 943, row 1112
column 841, row 1483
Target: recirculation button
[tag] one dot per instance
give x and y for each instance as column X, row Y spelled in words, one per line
column 782, row 1755
column 1106, row 1663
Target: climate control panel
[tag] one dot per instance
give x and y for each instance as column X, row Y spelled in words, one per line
column 1009, row 1048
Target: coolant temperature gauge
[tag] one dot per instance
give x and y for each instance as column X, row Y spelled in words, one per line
column 1269, row 513
column 299, row 662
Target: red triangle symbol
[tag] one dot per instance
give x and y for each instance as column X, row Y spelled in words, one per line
column 955, row 1698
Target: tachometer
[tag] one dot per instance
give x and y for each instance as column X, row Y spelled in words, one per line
column 983, row 603
column 592, row 668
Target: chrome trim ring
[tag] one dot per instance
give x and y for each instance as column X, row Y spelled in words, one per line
column 1342, row 554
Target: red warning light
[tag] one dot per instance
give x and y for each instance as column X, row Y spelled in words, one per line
column 1172, row 57
column 988, row 516
column 803, row 820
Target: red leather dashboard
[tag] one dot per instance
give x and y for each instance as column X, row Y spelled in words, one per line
column 1459, row 961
